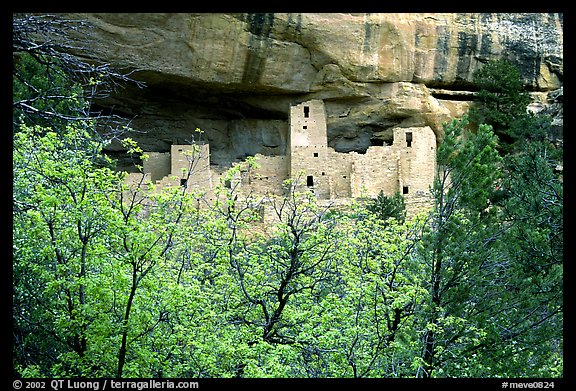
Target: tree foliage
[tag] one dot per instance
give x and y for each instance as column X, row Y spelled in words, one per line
column 501, row 102
column 52, row 87
column 388, row 207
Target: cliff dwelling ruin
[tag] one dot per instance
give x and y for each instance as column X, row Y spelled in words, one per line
column 407, row 165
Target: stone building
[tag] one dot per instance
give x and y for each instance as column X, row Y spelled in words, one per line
column 406, row 166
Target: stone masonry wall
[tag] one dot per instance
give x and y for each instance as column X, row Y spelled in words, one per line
column 309, row 147
column 417, row 158
column 374, row 171
column 158, row 165
column 268, row 177
column 407, row 166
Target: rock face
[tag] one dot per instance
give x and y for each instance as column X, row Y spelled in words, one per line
column 235, row 76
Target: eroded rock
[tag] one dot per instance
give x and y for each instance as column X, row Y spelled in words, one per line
column 235, row 75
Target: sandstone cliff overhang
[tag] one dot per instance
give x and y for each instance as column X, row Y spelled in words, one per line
column 235, row 75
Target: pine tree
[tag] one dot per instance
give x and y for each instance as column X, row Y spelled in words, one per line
column 501, row 101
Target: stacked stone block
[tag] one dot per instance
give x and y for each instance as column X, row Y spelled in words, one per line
column 407, row 166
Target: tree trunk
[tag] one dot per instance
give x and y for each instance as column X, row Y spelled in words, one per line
column 123, row 346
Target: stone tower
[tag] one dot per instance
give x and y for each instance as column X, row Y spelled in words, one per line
column 309, row 147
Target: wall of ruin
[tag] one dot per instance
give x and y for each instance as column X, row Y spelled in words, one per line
column 339, row 171
column 416, row 148
column 374, row 171
column 135, row 178
column 407, row 166
column 158, row 165
column 308, row 124
column 270, row 174
column 310, row 169
column 191, row 165
column 309, row 152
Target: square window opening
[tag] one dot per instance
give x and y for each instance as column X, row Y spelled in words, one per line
column 405, row 190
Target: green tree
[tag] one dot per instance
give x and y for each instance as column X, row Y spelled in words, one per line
column 532, row 212
column 385, row 207
column 63, row 209
column 60, row 219
column 493, row 270
column 278, row 275
column 43, row 94
column 501, row 102
column 452, row 245
column 529, row 249
column 363, row 323
column 100, row 267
